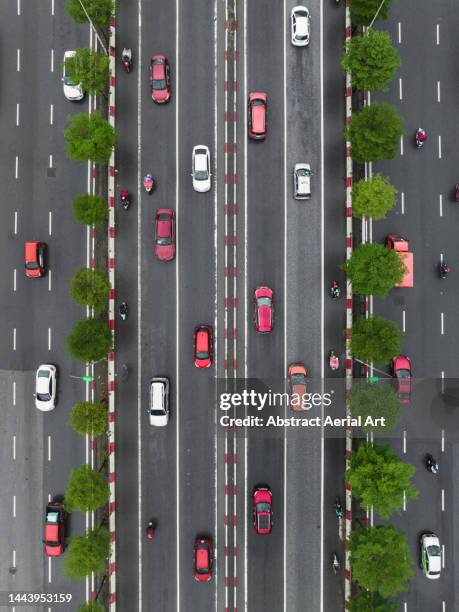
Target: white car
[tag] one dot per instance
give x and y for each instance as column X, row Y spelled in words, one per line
column 158, row 409
column 45, row 387
column 302, row 181
column 300, row 26
column 430, row 556
column 200, row 172
column 72, row 91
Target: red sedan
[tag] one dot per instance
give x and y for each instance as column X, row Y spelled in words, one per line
column 263, row 315
column 160, row 79
column 257, row 111
column 165, row 234
column 401, row 371
column 203, row 557
column 34, row 259
column 262, row 510
column 203, row 346
column 54, row 539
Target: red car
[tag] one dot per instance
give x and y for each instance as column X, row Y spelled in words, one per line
column 297, row 379
column 263, row 310
column 165, row 234
column 160, row 79
column 401, row 371
column 262, row 510
column 34, row 259
column 258, row 104
column 203, row 346
column 54, row 540
column 203, row 558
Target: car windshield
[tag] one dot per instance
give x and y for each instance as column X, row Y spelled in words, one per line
column 263, row 507
column 201, row 175
column 258, row 102
column 202, row 355
column 52, row 543
column 403, row 374
column 67, row 79
column 159, row 84
column 52, row 517
column 164, row 240
column 32, row 265
column 433, row 551
column 303, row 172
column 264, row 301
column 43, row 397
column 298, row 379
column 157, row 412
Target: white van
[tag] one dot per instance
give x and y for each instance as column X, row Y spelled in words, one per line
column 159, row 401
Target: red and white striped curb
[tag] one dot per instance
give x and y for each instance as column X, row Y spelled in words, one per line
column 349, row 245
column 111, row 317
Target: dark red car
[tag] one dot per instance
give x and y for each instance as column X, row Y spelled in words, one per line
column 165, row 234
column 262, row 510
column 203, row 346
column 263, row 310
column 160, row 79
column 257, row 111
column 34, row 259
column 54, row 539
column 203, row 557
column 401, row 371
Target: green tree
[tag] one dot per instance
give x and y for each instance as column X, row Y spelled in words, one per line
column 89, row 418
column 374, row 132
column 379, row 479
column 89, row 137
column 374, row 269
column 365, row 601
column 380, row 560
column 99, row 11
column 375, row 340
column 364, row 11
column 375, row 400
column 94, row 606
column 90, row 209
column 373, row 198
column 86, row 490
column 372, row 59
column 90, row 340
column 89, row 68
column 90, row 288
column 87, row 554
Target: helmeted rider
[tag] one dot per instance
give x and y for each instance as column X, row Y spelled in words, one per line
column 421, row 135
column 126, row 55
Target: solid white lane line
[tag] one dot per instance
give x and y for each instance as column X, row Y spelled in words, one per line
column 403, row 321
column 177, row 320
column 51, row 161
column 402, row 202
column 440, row 203
column 52, row 8
column 15, row 222
column 14, row 279
column 442, row 323
column 443, row 500
column 443, row 556
column 49, row 448
column 399, row 33
column 404, row 501
column 246, row 318
column 400, row 88
column 14, row 558
column 17, row 114
column 14, row 448
column 285, row 211
column 438, row 92
column 14, row 338
column 51, row 114
column 14, row 506
column 441, row 257
column 16, row 167
column 49, row 338
column 322, row 305
column 49, row 498
column 50, row 222
column 19, row 7
column 401, row 145
column 50, row 579
column 442, row 440
column 438, row 33
column 18, row 60
column 439, row 147
column 52, row 60
column 404, row 441
column 49, row 279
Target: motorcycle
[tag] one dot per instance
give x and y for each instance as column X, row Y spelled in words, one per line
column 126, row 58
column 457, row 192
column 338, row 508
column 335, row 563
column 333, row 360
column 148, row 183
column 123, row 310
column 431, row 464
column 124, row 371
column 443, row 269
column 420, row 137
column 150, row 531
column 335, row 291
column 125, row 199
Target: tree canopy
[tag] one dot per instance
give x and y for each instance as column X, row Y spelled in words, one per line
column 374, row 269
column 90, row 68
column 99, row 11
column 90, row 209
column 87, row 554
column 375, row 340
column 364, row 11
column 89, row 137
column 373, row 197
column 375, row 400
column 90, row 340
column 89, row 418
column 86, row 490
column 90, row 288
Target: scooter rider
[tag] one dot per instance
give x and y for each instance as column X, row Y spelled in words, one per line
column 123, row 310
column 333, row 361
column 150, row 531
column 431, row 464
column 125, row 199
column 444, row 269
column 335, row 289
column 421, row 137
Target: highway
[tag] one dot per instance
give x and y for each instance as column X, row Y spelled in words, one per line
column 426, row 94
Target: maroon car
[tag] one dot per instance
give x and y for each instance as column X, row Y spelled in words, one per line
column 263, row 310
column 401, row 371
column 262, row 510
column 257, row 110
column 165, row 234
column 160, row 79
column 54, row 538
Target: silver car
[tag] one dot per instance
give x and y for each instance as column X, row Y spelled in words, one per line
column 302, row 181
column 72, row 91
column 300, row 26
column 45, row 387
column 200, row 172
column 158, row 409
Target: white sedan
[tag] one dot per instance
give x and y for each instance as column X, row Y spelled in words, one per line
column 72, row 91
column 45, row 387
column 300, row 26
column 200, row 172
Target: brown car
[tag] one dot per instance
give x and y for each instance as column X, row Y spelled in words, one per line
column 297, row 380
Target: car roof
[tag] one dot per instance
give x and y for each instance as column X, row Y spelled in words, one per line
column 200, row 160
column 202, row 338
